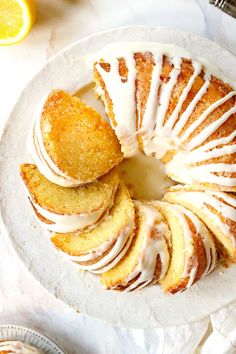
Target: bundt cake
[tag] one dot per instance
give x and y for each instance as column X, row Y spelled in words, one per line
column 147, row 260
column 63, row 209
column 70, row 143
column 171, row 107
column 162, row 103
column 193, row 253
column 18, row 347
column 100, row 249
column 216, row 209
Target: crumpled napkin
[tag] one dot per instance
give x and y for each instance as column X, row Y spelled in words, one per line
column 222, row 340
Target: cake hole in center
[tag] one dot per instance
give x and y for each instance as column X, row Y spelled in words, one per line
column 145, row 177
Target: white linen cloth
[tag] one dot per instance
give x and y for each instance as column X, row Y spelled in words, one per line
column 22, row 300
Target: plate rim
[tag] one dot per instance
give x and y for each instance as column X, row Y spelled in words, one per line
column 34, row 333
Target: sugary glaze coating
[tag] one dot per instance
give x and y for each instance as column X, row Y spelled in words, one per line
column 100, row 249
column 147, row 260
column 216, row 209
column 70, row 143
column 61, row 209
column 193, row 253
column 172, row 107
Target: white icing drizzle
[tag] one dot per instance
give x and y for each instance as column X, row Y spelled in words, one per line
column 64, row 223
column 149, row 117
column 208, row 243
column 214, row 143
column 151, row 247
column 189, row 110
column 191, row 261
column 221, row 202
column 119, row 49
column 17, row 347
column 182, row 168
column 119, row 254
column 120, row 242
column 166, row 91
column 174, row 116
column 123, row 107
column 210, row 129
column 159, row 137
column 201, row 155
column 205, row 173
column 40, row 156
column 203, row 117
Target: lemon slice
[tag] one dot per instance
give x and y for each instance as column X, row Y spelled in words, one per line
column 16, row 20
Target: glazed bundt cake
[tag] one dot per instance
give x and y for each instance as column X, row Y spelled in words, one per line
column 101, row 248
column 63, row 209
column 147, row 260
column 171, row 107
column 216, row 209
column 162, row 103
column 71, row 144
column 193, row 253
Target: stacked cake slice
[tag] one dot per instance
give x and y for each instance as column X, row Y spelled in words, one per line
column 216, row 209
column 147, row 259
column 69, row 209
column 100, row 249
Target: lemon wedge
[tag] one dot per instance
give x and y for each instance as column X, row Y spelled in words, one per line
column 16, row 20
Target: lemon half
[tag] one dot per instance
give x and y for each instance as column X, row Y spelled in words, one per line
column 16, row 20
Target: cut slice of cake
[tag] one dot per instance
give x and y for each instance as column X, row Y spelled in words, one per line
column 71, row 143
column 62, row 209
column 118, row 95
column 216, row 209
column 147, row 260
column 193, row 253
column 100, row 249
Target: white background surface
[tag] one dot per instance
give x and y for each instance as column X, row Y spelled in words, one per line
column 60, row 22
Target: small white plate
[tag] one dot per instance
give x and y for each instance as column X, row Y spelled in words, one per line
column 29, row 336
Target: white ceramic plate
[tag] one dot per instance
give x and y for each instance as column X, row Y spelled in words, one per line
column 27, row 335
column 81, row 290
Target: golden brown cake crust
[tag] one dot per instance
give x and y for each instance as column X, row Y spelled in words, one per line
column 144, row 63
column 228, row 250
column 95, row 260
column 77, row 139
column 199, row 254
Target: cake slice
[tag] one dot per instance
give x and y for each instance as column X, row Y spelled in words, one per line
column 216, row 209
column 62, row 209
column 147, row 260
column 118, row 95
column 71, row 144
column 193, row 253
column 100, row 249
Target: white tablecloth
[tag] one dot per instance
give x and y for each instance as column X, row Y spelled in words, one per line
column 22, row 300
